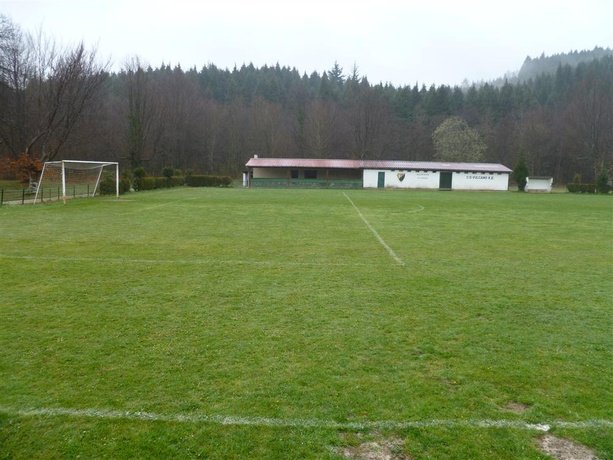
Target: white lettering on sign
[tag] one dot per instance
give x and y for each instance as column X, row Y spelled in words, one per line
column 480, row 177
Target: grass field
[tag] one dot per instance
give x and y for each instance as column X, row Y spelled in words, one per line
column 230, row 323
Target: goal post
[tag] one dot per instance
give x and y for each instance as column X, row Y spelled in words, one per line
column 75, row 178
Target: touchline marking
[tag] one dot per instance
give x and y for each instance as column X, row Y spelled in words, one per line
column 203, row 261
column 374, row 232
column 299, row 423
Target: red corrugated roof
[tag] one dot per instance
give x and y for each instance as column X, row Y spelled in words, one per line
column 374, row 164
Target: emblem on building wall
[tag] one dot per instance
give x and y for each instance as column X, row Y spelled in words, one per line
column 400, row 176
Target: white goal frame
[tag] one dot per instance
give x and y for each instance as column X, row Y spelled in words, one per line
column 83, row 165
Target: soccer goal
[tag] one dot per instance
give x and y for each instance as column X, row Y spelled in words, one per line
column 72, row 178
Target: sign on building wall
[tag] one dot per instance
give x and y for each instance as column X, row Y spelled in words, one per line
column 432, row 180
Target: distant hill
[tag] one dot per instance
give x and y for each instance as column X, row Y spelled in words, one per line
column 533, row 67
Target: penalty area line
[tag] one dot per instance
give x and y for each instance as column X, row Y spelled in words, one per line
column 390, row 251
column 300, row 423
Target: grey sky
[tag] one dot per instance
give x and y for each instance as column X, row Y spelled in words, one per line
column 402, row 42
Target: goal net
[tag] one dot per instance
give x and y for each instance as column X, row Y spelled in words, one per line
column 71, row 178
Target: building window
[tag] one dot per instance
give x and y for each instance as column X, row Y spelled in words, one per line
column 294, row 174
column 310, row 174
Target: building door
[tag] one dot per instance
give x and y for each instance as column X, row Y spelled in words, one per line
column 445, row 180
column 381, row 179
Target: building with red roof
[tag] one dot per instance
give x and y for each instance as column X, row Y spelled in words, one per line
column 311, row 172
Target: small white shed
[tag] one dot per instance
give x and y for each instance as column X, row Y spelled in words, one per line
column 539, row 184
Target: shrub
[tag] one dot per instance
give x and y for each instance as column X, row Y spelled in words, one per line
column 124, row 185
column 138, row 174
column 177, row 181
column 26, row 168
column 581, row 188
column 107, row 185
column 152, row 183
column 146, row 183
column 602, row 183
column 208, row 181
column 6, row 170
column 168, row 172
column 588, row 188
column 574, row 187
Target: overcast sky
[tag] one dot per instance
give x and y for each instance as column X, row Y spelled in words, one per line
column 401, row 42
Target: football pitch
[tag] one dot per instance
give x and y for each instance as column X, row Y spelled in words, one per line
column 232, row 323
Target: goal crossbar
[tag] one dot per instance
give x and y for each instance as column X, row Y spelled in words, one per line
column 81, row 165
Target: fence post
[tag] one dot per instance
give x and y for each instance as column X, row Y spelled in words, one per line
column 23, row 195
column 1, row 196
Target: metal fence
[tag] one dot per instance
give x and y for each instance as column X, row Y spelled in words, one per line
column 27, row 195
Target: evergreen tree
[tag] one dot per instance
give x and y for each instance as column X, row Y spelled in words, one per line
column 520, row 174
column 335, row 75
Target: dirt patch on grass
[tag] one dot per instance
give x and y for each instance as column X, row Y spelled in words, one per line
column 563, row 449
column 517, row 407
column 387, row 449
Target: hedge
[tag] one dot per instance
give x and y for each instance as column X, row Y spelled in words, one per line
column 107, row 186
column 208, row 181
column 581, row 188
column 152, row 183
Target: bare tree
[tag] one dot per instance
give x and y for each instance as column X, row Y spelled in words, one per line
column 320, row 127
column 14, row 73
column 44, row 90
column 141, row 111
column 590, row 119
column 368, row 117
column 214, row 118
column 178, row 110
column 63, row 84
column 269, row 131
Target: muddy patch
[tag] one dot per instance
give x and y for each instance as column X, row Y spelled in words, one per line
column 387, row 449
column 563, row 449
column 517, row 407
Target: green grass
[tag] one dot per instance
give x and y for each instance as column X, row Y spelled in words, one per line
column 14, row 191
column 282, row 304
column 12, row 188
column 12, row 184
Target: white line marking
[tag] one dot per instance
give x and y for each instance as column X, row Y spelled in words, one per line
column 202, row 261
column 419, row 208
column 374, row 232
column 300, row 423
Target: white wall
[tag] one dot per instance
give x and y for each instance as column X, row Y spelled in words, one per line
column 431, row 180
column 479, row 181
column 412, row 179
column 369, row 179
